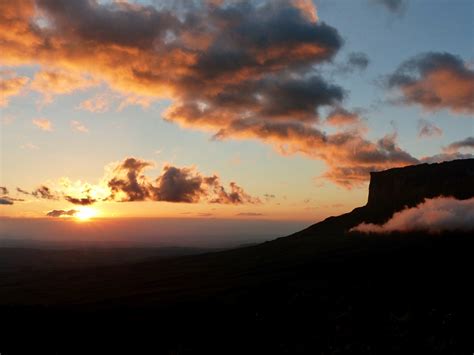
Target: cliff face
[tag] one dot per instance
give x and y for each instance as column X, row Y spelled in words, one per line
column 392, row 190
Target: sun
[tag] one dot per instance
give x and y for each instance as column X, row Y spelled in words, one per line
column 85, row 213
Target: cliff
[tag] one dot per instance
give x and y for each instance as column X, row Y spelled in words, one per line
column 392, row 190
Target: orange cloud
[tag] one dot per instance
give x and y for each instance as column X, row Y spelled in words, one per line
column 436, row 81
column 43, row 124
column 98, row 104
column 10, row 85
column 60, row 82
column 228, row 67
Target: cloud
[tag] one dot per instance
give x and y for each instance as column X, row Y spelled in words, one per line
column 433, row 215
column 457, row 145
column 61, row 213
column 174, row 184
column 83, row 201
column 452, row 152
column 435, row 81
column 428, row 129
column 97, row 104
column 29, row 146
column 42, row 192
column 60, row 82
column 5, row 201
column 394, row 6
column 356, row 61
column 79, row 127
column 249, row 214
column 241, row 70
column 10, row 85
column 341, row 117
column 349, row 156
column 43, row 124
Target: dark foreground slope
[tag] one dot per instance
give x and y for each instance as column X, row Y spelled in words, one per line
column 322, row 291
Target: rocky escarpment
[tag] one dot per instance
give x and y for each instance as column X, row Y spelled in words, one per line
column 392, row 190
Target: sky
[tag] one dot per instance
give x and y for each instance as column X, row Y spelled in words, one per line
column 220, row 111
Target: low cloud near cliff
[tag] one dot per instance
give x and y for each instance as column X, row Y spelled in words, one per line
column 433, row 215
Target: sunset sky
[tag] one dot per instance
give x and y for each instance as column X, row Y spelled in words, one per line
column 215, row 109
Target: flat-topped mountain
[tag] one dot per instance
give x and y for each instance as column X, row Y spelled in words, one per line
column 392, row 190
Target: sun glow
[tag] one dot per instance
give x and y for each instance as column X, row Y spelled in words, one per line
column 85, row 213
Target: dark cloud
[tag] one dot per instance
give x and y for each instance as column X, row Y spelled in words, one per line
column 4, row 200
column 452, row 152
column 394, row 6
column 428, row 129
column 435, row 81
column 117, row 23
column 235, row 196
column 131, row 183
column 22, row 191
column 442, row 157
column 356, row 61
column 179, row 185
column 61, row 213
column 83, row 201
column 464, row 143
column 173, row 185
column 43, row 192
column 240, row 69
column 269, row 197
column 270, row 99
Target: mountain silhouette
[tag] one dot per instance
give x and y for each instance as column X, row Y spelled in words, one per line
column 322, row 290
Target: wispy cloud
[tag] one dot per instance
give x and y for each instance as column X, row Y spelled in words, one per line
column 11, row 85
column 79, row 127
column 43, row 124
column 428, row 129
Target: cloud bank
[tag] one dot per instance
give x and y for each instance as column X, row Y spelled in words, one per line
column 241, row 70
column 174, row 184
column 126, row 182
column 433, row 215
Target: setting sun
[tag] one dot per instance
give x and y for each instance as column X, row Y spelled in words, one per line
column 85, row 213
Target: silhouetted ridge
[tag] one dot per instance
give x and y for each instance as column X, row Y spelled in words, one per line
column 392, row 190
